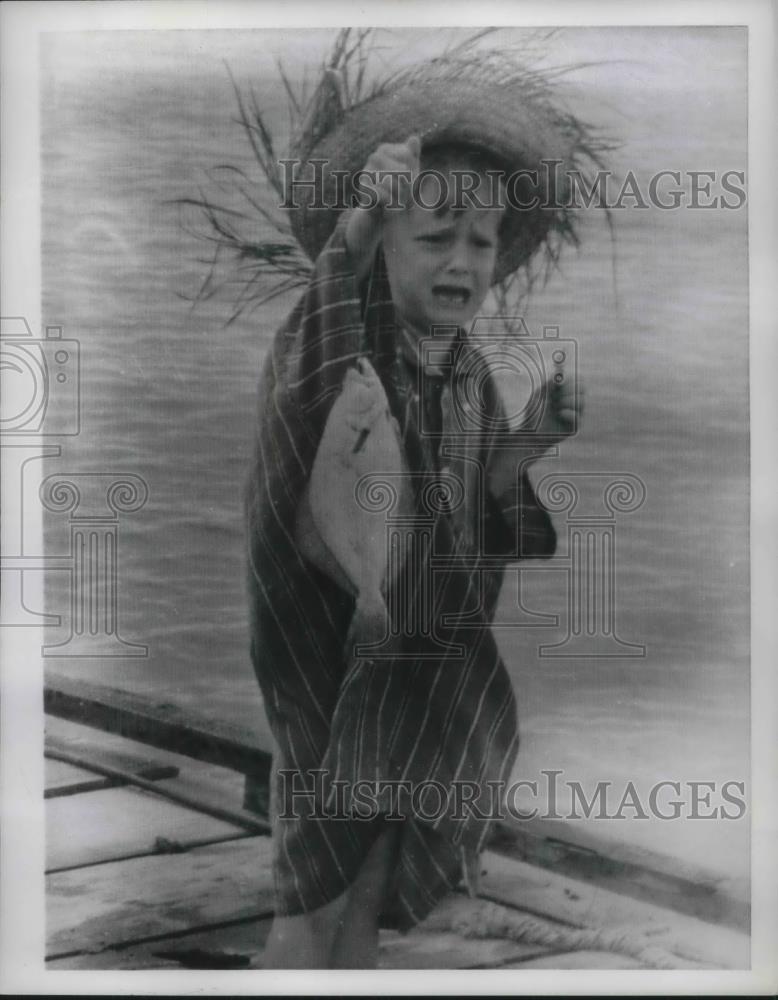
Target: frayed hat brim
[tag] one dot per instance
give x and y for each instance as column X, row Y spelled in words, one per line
column 464, row 109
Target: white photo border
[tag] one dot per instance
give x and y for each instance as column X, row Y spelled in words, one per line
column 21, row 861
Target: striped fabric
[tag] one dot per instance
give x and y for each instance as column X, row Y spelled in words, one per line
column 442, row 709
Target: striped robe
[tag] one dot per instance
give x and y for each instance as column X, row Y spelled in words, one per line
column 442, row 711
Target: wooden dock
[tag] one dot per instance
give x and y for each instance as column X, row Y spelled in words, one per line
column 158, row 856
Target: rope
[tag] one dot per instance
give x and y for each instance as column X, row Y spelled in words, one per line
column 484, row 919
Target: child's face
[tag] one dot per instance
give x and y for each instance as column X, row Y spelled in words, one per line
column 440, row 264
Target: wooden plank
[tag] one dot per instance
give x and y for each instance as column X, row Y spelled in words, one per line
column 567, row 848
column 126, row 902
column 577, row 960
column 214, row 787
column 68, row 779
column 447, row 950
column 209, row 786
column 241, row 946
column 608, row 866
column 132, row 758
column 581, row 904
column 579, row 834
column 241, row 818
column 121, row 823
column 163, row 725
column 235, row 946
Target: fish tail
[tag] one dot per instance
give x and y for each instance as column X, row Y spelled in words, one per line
column 369, row 626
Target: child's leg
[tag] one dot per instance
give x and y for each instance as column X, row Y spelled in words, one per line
column 304, row 941
column 356, row 942
column 342, row 934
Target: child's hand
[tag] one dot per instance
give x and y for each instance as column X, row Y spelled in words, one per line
column 395, row 166
column 562, row 412
column 364, row 227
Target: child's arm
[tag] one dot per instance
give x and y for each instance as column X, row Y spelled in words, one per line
column 363, row 232
column 516, row 523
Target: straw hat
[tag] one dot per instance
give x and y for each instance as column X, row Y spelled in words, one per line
column 477, row 99
column 494, row 100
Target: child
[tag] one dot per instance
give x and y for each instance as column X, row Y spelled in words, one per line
column 444, row 711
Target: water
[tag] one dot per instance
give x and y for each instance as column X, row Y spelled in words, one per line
column 134, row 120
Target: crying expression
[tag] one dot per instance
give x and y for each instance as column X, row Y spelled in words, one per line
column 440, row 262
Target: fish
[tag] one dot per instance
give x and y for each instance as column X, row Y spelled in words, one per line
column 336, row 529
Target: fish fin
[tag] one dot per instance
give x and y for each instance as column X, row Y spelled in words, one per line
column 369, row 627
